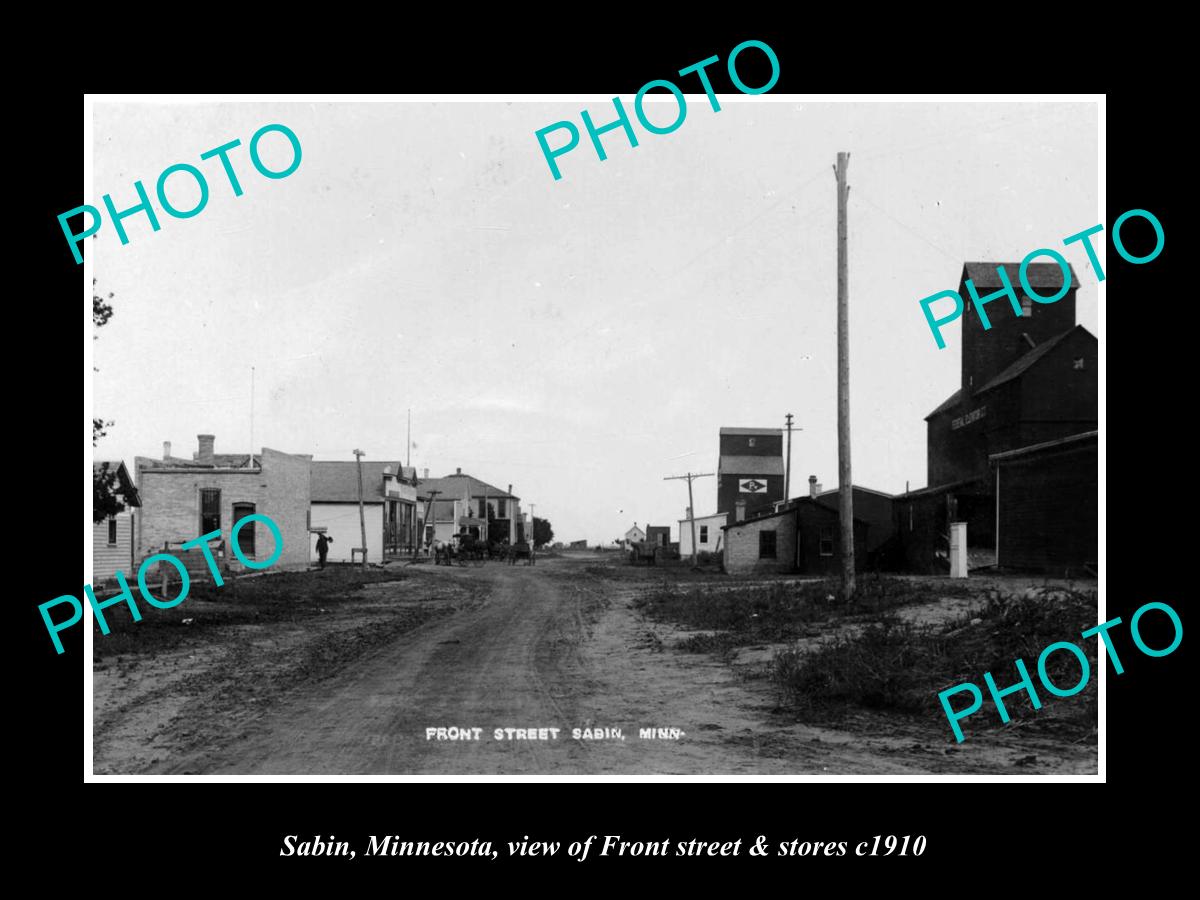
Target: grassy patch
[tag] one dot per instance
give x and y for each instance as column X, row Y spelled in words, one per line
column 781, row 611
column 274, row 597
column 894, row 665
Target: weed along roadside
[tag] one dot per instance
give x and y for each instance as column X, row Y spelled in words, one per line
column 1026, row 683
column 126, row 596
column 870, row 668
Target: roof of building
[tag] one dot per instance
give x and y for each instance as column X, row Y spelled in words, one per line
column 1080, row 438
column 949, row 403
column 979, row 481
column 753, row 431
column 125, row 486
column 718, row 515
column 857, row 487
column 751, row 465
column 453, row 484
column 336, row 481
column 1016, row 369
column 219, row 461
column 792, row 506
column 1040, row 275
column 1020, row 366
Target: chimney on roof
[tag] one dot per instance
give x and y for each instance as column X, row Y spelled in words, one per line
column 166, row 449
column 813, row 487
column 739, row 514
column 205, row 455
column 458, row 471
column 510, row 488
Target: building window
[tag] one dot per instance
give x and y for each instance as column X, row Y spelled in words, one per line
column 766, row 544
column 826, row 545
column 1026, row 307
column 112, row 531
column 483, row 509
column 503, row 511
column 704, row 534
column 751, row 442
column 245, row 538
column 1079, row 362
column 210, row 510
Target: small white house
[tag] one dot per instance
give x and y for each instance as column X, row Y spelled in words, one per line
column 633, row 535
column 113, row 538
column 708, row 534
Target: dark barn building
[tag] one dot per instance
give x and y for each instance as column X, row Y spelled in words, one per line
column 658, row 535
column 1046, row 501
column 750, row 471
column 819, row 537
column 1026, row 380
column 877, row 510
column 1031, row 379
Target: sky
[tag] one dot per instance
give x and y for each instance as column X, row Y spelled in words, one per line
column 579, row 339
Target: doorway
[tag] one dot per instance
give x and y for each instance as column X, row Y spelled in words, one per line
column 245, row 537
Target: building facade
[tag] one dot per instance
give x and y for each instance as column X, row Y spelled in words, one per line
column 185, row 498
column 633, row 536
column 388, row 509
column 1028, row 379
column 708, row 534
column 114, row 539
column 658, row 535
column 750, row 472
column 1047, row 509
column 464, row 504
column 802, row 536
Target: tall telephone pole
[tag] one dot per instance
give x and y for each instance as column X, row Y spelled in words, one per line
column 845, row 485
column 362, row 519
column 691, row 505
column 787, row 476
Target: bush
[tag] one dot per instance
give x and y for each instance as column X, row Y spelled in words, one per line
column 899, row 666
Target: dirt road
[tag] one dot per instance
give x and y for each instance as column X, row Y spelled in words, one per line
column 543, row 647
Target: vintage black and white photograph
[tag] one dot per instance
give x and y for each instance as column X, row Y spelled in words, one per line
column 502, row 436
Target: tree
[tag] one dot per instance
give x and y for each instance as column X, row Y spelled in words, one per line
column 105, row 501
column 543, row 534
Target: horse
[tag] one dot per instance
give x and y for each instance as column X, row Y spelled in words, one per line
column 444, row 550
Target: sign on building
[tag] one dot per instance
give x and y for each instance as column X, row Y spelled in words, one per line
column 752, row 485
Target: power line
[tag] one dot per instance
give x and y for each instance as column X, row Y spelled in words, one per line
column 906, row 227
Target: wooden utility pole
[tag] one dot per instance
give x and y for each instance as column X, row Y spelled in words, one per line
column 427, row 521
column 362, row 518
column 787, row 476
column 845, row 484
column 691, row 505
